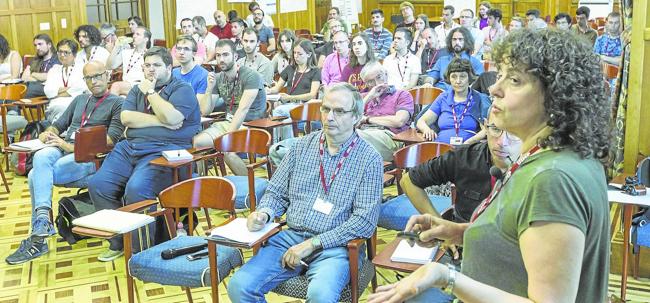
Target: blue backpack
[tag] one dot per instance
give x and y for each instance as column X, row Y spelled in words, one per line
column 640, row 221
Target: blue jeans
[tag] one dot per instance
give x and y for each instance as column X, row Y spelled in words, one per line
column 328, row 273
column 431, row 295
column 51, row 167
column 127, row 177
column 284, row 132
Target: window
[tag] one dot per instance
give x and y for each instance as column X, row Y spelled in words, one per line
column 111, row 11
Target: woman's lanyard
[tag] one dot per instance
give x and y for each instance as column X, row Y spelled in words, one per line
column 499, row 185
column 295, row 82
column 232, row 92
column 131, row 62
column 459, row 120
column 66, row 80
column 432, row 58
column 346, row 153
column 147, row 105
column 406, row 62
column 85, row 119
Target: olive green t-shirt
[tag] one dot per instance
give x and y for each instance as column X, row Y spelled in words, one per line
column 551, row 187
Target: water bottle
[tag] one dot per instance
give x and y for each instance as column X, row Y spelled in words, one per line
column 180, row 231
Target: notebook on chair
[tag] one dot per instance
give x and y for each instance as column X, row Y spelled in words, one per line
column 114, row 221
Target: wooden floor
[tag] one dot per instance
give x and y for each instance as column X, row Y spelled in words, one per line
column 73, row 273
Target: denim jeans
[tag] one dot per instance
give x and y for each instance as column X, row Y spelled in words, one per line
column 284, row 132
column 328, row 273
column 127, row 177
column 51, row 167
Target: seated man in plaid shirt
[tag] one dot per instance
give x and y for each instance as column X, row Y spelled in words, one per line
column 330, row 186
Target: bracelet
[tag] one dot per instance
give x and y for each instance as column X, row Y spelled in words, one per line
column 451, row 279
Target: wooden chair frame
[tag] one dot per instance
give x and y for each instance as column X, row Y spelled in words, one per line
column 306, row 112
column 412, row 155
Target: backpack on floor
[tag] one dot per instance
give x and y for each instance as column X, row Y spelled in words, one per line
column 71, row 208
column 23, row 161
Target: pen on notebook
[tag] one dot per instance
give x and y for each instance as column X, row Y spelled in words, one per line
column 303, row 263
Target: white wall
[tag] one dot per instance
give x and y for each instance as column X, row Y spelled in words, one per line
column 156, row 21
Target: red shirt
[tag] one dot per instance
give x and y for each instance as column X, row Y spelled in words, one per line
column 222, row 33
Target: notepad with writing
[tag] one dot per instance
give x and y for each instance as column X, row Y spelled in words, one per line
column 237, row 233
column 29, row 145
column 112, row 220
column 416, row 254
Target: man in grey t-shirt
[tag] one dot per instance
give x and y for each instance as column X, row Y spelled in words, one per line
column 242, row 91
column 254, row 59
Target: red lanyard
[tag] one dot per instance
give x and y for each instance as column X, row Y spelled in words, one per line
column 131, row 62
column 431, row 58
column 346, row 153
column 85, row 119
column 406, row 62
column 92, row 54
column 497, row 188
column 232, row 91
column 338, row 58
column 147, row 106
column 66, row 81
column 295, row 83
column 246, row 61
column 457, row 120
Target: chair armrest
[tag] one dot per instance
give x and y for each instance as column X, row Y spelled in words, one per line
column 257, row 164
column 138, row 206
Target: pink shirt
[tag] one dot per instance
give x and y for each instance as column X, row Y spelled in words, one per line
column 201, row 52
column 389, row 105
column 333, row 68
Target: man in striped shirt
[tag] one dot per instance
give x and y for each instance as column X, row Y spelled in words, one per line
column 380, row 37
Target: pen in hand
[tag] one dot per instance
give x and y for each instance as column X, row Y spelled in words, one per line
column 303, row 263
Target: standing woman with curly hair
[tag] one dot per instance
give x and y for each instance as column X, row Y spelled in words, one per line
column 543, row 233
column 10, row 62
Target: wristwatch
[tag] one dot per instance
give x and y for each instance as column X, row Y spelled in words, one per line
column 451, row 279
column 315, row 242
column 151, row 91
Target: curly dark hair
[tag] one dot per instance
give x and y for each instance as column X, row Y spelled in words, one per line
column 93, row 34
column 576, row 101
column 4, row 48
column 468, row 40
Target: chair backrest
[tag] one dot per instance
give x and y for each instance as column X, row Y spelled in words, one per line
column 201, row 192
column 610, row 70
column 309, row 111
column 304, row 33
column 160, row 42
column 412, row 155
column 12, row 92
column 423, row 96
column 250, row 140
column 27, row 59
column 89, row 142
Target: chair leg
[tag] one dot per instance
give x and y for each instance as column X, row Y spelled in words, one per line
column 127, row 256
column 214, row 283
column 189, row 294
column 635, row 268
column 4, row 180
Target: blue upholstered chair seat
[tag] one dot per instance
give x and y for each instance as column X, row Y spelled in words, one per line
column 396, row 212
column 150, row 267
column 242, row 192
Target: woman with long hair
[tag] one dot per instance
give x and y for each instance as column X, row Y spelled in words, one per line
column 11, row 64
column 283, row 56
column 421, row 22
column 362, row 54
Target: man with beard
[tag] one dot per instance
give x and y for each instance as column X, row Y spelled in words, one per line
column 609, row 45
column 189, row 72
column 459, row 45
column 250, row 19
column 202, row 35
column 467, row 21
column 336, row 61
column 447, row 24
column 221, row 29
column 380, row 37
column 562, row 21
column 264, row 33
column 161, row 114
column 55, row 165
column 429, row 55
column 201, row 52
column 35, row 73
column 403, row 67
column 89, row 39
column 582, row 28
column 408, row 13
column 242, row 90
column 334, row 13
column 253, row 59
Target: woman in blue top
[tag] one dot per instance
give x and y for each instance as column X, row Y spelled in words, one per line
column 454, row 116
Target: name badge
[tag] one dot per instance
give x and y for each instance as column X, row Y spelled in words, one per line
column 229, row 117
column 456, row 140
column 72, row 136
column 323, row 206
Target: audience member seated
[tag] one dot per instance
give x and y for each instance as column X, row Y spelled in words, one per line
column 609, row 44
column 515, row 24
column 380, row 37
column 11, row 63
column 447, row 24
column 421, row 23
column 264, row 33
column 201, row 52
column 282, row 57
column 531, row 15
column 35, row 73
column 361, row 55
column 302, row 82
column 459, row 45
column 250, row 19
column 55, row 165
column 494, row 30
column 454, row 116
column 237, row 27
column 134, row 22
column 327, row 31
column 322, row 216
column 89, row 40
column 64, row 81
column 108, row 36
column 203, row 36
column 336, row 61
column 161, row 113
column 188, row 71
column 482, row 14
column 253, row 59
column 562, row 21
column 387, row 111
column 403, row 67
column 408, row 14
column 467, row 21
column 221, row 29
column 131, row 60
column 328, row 48
column 582, row 28
column 241, row 90
column 429, row 54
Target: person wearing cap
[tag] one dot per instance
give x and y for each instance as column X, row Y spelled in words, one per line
column 408, row 12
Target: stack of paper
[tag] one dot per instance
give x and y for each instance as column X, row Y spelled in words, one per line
column 273, row 97
column 416, row 254
column 236, row 232
column 114, row 221
column 29, row 145
column 177, row 155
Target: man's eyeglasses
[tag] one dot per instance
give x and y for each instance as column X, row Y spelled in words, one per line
column 95, row 77
column 184, row 49
column 496, row 132
column 337, row 111
column 64, row 53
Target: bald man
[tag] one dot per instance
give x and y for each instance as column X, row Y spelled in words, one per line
column 55, row 165
column 222, row 28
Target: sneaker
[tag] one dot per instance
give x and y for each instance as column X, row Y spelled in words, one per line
column 43, row 228
column 28, row 250
column 110, row 255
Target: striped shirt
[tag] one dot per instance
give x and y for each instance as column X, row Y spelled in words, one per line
column 355, row 192
column 380, row 42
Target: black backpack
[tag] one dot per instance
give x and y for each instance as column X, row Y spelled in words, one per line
column 71, row 208
column 23, row 162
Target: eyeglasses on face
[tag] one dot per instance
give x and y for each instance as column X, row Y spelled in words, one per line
column 496, row 132
column 337, row 111
column 95, row 77
column 64, row 53
column 184, row 49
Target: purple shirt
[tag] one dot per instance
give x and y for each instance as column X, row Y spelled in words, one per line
column 332, row 68
column 483, row 23
column 389, row 105
column 352, row 75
